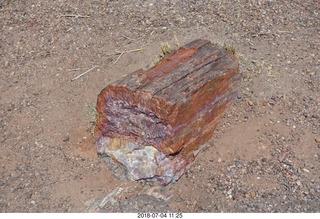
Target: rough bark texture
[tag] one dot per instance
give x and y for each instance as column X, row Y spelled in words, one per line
column 154, row 121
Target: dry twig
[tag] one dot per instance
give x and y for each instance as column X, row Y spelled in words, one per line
column 84, row 73
column 74, row 15
column 74, row 69
column 118, row 58
column 177, row 41
column 120, row 53
column 284, row 31
column 127, row 37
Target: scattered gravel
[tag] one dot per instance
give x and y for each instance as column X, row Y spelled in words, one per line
column 265, row 154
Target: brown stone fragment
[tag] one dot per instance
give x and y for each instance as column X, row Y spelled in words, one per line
column 154, row 121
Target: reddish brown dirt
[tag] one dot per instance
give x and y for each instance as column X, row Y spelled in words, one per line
column 265, row 155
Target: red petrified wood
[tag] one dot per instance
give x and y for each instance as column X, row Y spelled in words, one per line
column 153, row 122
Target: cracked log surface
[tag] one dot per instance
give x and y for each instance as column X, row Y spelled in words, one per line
column 163, row 115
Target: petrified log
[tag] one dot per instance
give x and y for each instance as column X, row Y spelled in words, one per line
column 153, row 122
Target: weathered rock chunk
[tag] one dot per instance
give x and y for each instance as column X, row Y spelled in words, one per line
column 153, row 122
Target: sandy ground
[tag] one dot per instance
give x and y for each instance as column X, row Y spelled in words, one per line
column 264, row 157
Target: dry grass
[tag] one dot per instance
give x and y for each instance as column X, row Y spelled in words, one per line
column 230, row 48
column 165, row 49
column 91, row 114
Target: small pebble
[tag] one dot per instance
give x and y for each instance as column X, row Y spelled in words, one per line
column 306, row 170
column 65, row 138
column 253, row 194
column 312, row 191
column 264, row 160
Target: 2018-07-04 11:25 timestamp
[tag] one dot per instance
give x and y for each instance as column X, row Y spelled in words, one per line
column 160, row 215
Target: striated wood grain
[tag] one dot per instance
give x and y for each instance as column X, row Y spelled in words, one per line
column 174, row 106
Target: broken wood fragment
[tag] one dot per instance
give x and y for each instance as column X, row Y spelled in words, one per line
column 153, row 122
